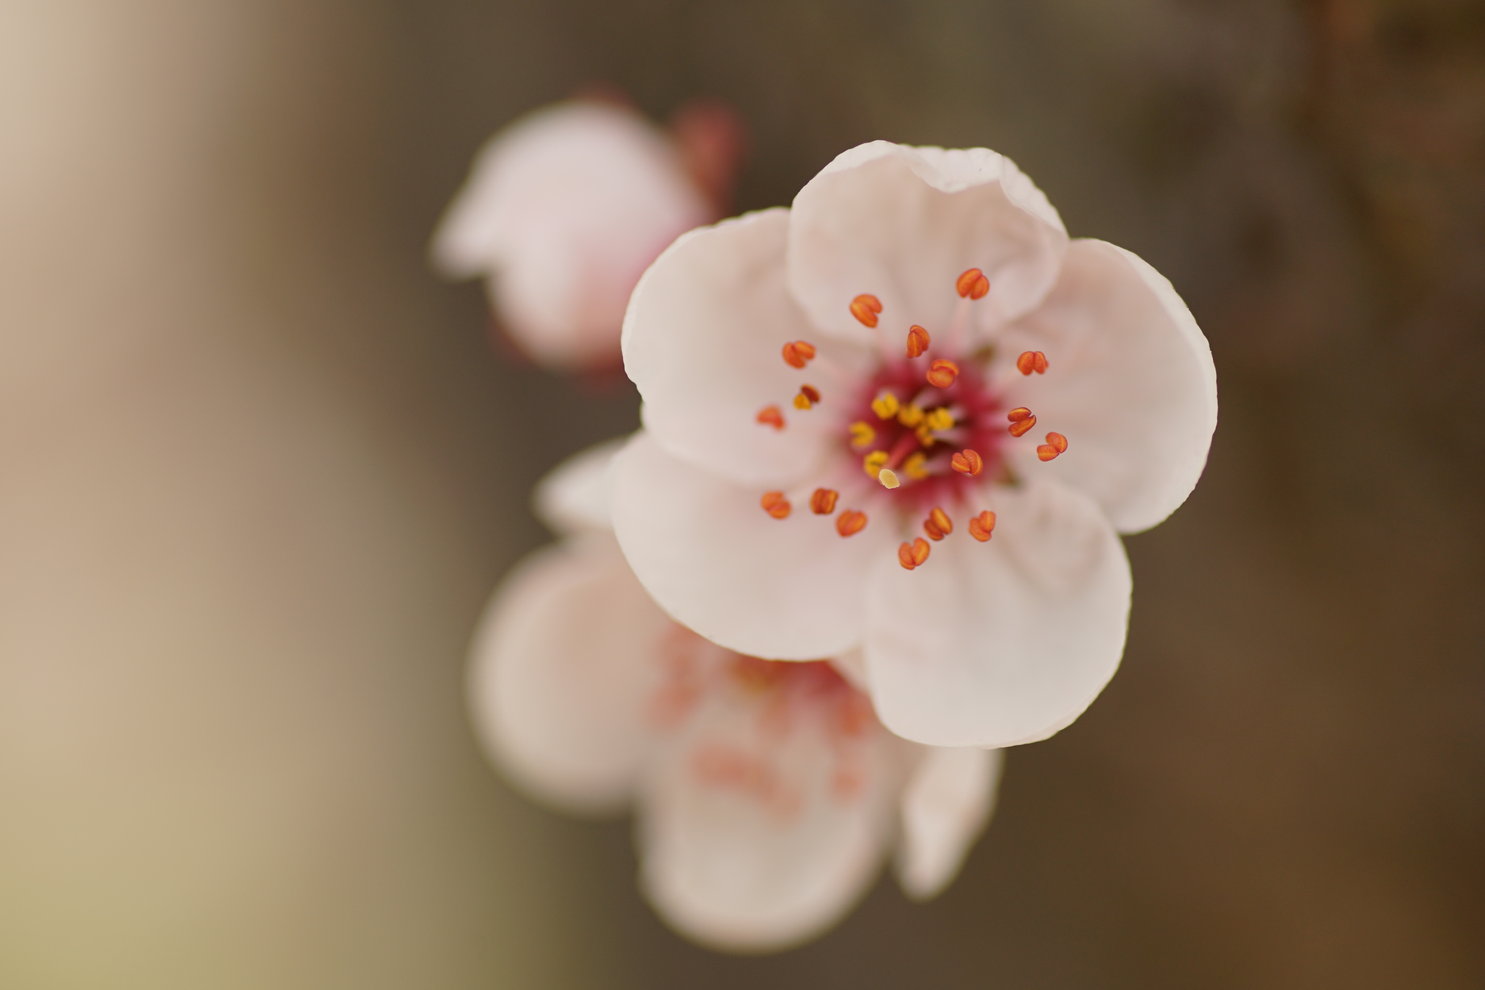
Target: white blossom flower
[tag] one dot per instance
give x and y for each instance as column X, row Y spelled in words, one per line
column 767, row 795
column 845, row 400
column 564, row 209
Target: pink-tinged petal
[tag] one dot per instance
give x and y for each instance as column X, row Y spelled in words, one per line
column 903, row 223
column 852, row 666
column 703, row 340
column 787, row 589
column 1005, row 642
column 577, row 495
column 1130, row 384
column 947, row 802
column 561, row 213
column 754, row 841
column 564, row 706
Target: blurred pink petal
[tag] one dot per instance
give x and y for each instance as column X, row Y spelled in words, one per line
column 562, row 211
column 767, row 794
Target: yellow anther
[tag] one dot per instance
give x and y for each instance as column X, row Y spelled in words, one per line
column 885, row 405
column 862, row 434
column 910, row 416
column 807, row 397
column 873, row 463
column 924, row 435
column 916, row 465
column 888, row 478
column 939, row 419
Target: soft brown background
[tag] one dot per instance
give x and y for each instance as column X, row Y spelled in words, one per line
column 259, row 470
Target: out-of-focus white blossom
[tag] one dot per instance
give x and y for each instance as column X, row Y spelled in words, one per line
column 565, row 208
column 767, row 794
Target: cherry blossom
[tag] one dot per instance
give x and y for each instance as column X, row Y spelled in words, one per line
column 564, row 209
column 766, row 794
column 909, row 416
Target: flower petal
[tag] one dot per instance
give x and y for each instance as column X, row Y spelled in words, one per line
column 947, row 802
column 1006, row 642
column 852, row 667
column 562, row 705
column 785, row 589
column 577, row 495
column 1131, row 384
column 562, row 211
column 902, row 224
column 702, row 342
column 747, row 841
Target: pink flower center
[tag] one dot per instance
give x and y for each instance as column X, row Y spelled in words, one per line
column 926, row 427
column 926, row 444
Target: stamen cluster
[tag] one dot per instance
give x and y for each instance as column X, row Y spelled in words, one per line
column 927, row 427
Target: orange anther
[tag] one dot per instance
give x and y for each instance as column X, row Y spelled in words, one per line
column 942, row 372
column 972, row 284
column 982, row 525
column 1056, row 444
column 865, row 308
column 938, row 524
column 967, row 462
column 775, row 504
column 911, row 555
column 850, row 522
column 771, row 416
column 917, row 341
column 1017, row 414
column 1030, row 361
column 822, row 502
column 798, row 353
column 807, row 397
column 1021, row 427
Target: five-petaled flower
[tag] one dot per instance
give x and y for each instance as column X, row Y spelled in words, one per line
column 909, row 416
column 767, row 794
column 566, row 207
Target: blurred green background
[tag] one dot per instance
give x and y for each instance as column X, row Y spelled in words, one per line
column 259, row 471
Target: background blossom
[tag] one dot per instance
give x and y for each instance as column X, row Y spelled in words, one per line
column 564, row 208
column 767, row 795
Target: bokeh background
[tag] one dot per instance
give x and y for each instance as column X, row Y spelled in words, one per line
column 259, row 470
